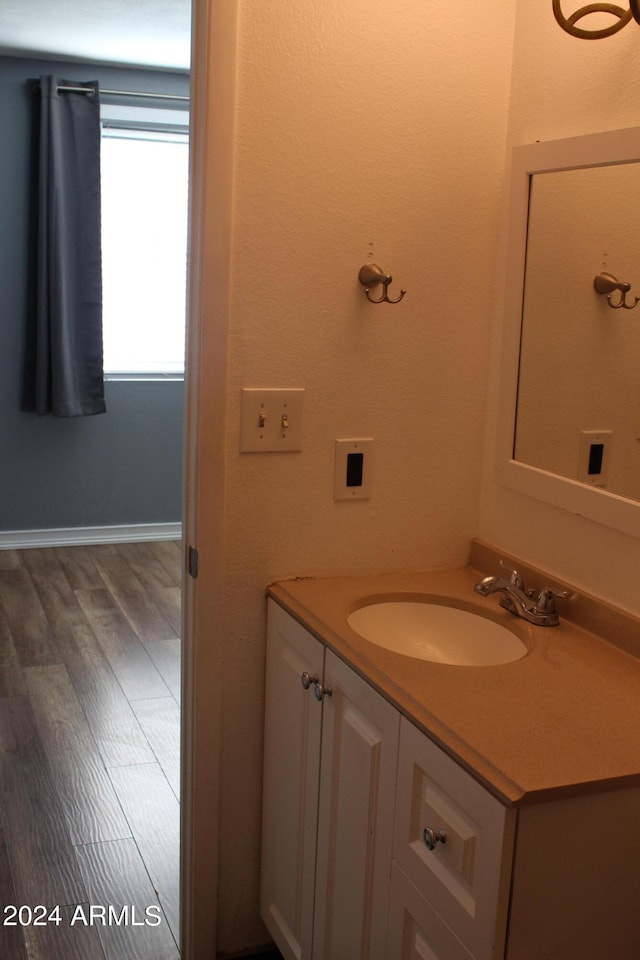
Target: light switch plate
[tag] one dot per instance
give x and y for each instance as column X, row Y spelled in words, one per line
column 271, row 419
column 360, row 447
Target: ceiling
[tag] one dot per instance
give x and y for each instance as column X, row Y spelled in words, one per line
column 150, row 33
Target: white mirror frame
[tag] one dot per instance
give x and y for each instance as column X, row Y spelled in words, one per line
column 593, row 150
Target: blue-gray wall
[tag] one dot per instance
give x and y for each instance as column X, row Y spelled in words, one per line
column 122, row 467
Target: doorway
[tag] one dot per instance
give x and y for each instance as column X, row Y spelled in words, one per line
column 89, row 675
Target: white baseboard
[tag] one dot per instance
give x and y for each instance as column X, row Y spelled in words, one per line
column 79, row 536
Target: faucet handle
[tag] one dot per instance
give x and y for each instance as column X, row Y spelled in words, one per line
column 546, row 602
column 516, row 578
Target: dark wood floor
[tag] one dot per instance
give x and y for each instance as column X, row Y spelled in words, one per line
column 89, row 751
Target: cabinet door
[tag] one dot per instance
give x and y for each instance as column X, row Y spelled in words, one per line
column 355, row 819
column 290, row 785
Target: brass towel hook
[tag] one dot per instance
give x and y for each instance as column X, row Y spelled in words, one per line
column 606, row 283
column 371, row 276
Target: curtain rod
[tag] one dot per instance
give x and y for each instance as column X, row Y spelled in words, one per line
column 124, row 93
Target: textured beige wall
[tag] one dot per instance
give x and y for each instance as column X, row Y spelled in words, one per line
column 364, row 131
column 563, row 87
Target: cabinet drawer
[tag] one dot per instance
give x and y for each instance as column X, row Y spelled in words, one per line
column 466, row 877
column 416, row 932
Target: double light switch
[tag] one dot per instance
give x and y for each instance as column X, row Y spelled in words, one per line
column 271, row 420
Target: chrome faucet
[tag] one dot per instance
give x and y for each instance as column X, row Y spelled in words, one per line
column 540, row 609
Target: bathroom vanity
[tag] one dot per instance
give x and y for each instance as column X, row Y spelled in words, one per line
column 415, row 809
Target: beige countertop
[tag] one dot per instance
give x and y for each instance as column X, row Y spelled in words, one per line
column 563, row 720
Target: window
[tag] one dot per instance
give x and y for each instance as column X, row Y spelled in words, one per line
column 144, row 240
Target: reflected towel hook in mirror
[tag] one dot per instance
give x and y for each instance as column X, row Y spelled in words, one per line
column 606, row 284
column 622, row 18
column 371, row 276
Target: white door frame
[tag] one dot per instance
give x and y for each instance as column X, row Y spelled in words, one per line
column 214, row 27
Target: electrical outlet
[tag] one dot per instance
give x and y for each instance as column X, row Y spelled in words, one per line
column 271, row 420
column 352, row 476
column 593, row 466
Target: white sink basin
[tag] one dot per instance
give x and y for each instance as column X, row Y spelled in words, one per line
column 429, row 630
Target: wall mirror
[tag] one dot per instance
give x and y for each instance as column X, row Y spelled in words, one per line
column 569, row 430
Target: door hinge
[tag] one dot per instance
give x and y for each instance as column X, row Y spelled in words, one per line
column 192, row 562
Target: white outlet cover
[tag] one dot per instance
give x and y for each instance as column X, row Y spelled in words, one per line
column 341, row 491
column 587, row 439
column 271, row 419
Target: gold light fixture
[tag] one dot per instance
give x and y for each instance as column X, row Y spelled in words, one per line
column 621, row 15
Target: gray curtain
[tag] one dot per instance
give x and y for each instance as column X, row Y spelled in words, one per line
column 64, row 369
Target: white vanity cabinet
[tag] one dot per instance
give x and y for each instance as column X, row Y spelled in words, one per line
column 350, row 788
column 329, row 795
